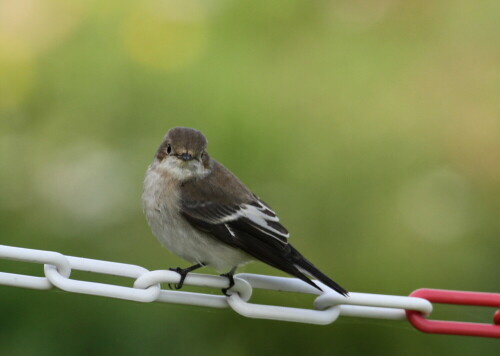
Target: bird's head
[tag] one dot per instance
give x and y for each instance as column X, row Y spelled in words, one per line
column 182, row 154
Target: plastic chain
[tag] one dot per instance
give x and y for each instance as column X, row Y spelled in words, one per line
column 456, row 327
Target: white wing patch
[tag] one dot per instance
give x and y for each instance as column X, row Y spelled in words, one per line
column 260, row 216
column 230, row 230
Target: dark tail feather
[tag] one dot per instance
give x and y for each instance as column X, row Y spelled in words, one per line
column 302, row 263
column 285, row 258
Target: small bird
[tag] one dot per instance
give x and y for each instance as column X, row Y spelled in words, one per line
column 203, row 213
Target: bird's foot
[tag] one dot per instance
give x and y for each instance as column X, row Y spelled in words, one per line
column 183, row 273
column 229, row 276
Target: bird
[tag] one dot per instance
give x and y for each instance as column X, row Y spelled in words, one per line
column 203, row 213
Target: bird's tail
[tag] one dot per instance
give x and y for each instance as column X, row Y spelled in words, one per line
column 306, row 266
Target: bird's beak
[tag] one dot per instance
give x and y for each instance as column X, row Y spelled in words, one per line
column 185, row 156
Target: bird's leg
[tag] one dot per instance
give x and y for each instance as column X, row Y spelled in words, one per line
column 229, row 276
column 183, row 273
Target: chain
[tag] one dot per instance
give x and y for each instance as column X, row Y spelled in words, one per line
column 146, row 288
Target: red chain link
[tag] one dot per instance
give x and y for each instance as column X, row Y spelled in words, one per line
column 496, row 317
column 454, row 327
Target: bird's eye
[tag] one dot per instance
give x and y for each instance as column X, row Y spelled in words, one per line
column 169, row 148
column 202, row 154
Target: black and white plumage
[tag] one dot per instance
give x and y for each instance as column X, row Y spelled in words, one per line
column 202, row 212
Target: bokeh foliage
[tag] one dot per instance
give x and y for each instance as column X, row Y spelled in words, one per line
column 372, row 127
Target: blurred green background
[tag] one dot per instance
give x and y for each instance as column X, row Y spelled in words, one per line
column 372, row 128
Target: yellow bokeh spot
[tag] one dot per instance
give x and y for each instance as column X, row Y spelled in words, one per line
column 33, row 26
column 27, row 29
column 166, row 37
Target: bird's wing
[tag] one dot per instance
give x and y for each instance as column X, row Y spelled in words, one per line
column 224, row 206
column 255, row 219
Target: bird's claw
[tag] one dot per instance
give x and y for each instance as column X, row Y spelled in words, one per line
column 183, row 273
column 231, row 283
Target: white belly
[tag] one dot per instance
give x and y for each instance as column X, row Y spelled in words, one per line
column 160, row 204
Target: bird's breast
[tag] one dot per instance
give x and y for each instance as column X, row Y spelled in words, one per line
column 160, row 200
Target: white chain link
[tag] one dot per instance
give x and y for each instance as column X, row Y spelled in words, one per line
column 328, row 306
